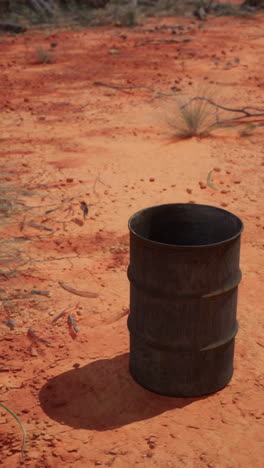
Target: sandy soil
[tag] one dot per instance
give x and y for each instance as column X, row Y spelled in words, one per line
column 77, row 141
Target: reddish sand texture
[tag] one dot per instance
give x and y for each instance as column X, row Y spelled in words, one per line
column 74, row 140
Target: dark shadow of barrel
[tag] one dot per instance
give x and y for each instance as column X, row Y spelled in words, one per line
column 103, row 395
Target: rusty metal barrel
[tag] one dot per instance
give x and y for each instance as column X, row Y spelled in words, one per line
column 184, row 275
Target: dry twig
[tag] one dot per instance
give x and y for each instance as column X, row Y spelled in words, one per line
column 64, row 312
column 124, row 88
column 33, row 335
column 72, row 324
column 77, row 292
column 119, row 316
column 158, row 41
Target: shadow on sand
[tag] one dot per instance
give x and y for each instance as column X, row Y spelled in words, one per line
column 102, row 396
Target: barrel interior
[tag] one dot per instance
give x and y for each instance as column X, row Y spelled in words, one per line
column 185, row 224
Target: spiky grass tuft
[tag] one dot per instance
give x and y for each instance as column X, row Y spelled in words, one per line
column 44, row 55
column 192, row 118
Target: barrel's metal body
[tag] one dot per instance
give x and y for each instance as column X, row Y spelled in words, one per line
column 184, row 273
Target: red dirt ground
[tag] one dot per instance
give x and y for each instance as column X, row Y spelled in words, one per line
column 71, row 138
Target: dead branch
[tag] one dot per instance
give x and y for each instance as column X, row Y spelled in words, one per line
column 31, row 333
column 230, row 121
column 158, row 41
column 76, row 291
column 246, row 112
column 124, row 88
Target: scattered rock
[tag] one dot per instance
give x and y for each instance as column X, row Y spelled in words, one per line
column 33, row 352
column 200, row 13
column 13, row 28
column 78, row 221
column 151, row 440
column 48, row 437
column 149, row 454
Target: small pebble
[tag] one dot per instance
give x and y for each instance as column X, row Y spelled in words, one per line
column 77, row 221
column 202, row 185
column 188, row 190
column 224, row 204
column 34, row 352
column 69, row 180
column 151, row 179
column 217, row 169
column 237, row 181
column 149, row 454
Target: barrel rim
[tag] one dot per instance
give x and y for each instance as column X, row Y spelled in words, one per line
column 178, row 246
